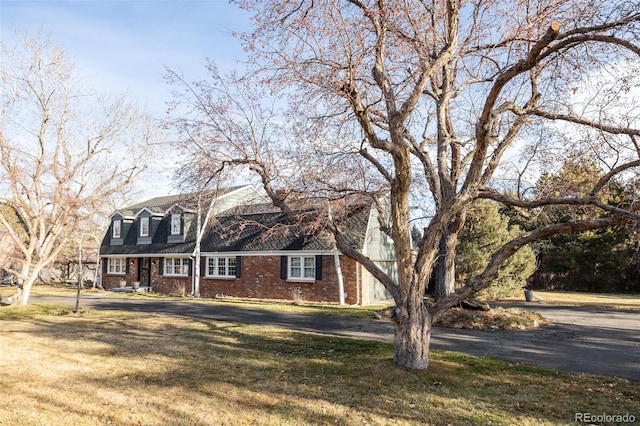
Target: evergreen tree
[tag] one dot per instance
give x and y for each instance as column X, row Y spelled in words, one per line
column 416, row 235
column 485, row 230
column 603, row 260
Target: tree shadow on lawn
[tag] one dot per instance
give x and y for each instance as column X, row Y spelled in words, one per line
column 194, row 371
column 580, row 348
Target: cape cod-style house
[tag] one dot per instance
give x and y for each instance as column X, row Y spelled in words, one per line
column 249, row 249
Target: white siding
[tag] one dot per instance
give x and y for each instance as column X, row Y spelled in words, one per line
column 379, row 248
column 245, row 195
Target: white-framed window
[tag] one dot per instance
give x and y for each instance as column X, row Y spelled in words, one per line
column 302, row 267
column 117, row 228
column 221, row 266
column 116, row 265
column 144, row 226
column 178, row 266
column 176, row 221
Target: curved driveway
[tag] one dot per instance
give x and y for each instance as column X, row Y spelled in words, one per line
column 589, row 340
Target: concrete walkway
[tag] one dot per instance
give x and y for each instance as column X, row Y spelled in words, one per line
column 589, row 340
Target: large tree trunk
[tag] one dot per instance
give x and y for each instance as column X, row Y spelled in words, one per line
column 21, row 297
column 412, row 334
column 446, row 267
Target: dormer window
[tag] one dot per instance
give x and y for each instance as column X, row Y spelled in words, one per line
column 144, row 226
column 176, row 223
column 117, row 229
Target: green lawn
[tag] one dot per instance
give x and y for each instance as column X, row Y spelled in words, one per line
column 120, row 368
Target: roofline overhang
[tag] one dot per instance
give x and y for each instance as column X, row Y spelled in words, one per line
column 153, row 214
column 123, row 215
column 229, row 253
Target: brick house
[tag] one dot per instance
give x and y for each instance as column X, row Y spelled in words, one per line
column 248, row 250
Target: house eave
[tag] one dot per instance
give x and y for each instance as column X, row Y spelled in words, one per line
column 124, row 216
column 180, row 207
column 151, row 212
column 228, row 253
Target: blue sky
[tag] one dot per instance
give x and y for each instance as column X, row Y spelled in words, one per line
column 123, row 46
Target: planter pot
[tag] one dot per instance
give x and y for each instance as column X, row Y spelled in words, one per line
column 528, row 295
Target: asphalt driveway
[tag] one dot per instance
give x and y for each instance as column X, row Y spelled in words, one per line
column 588, row 340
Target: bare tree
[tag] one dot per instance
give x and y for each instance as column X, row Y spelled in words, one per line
column 433, row 101
column 65, row 153
column 9, row 252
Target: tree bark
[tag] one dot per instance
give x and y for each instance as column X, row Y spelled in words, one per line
column 21, row 296
column 446, row 267
column 412, row 334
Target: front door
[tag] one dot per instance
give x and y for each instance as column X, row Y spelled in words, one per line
column 144, row 275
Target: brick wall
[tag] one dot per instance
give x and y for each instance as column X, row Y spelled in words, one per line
column 160, row 283
column 260, row 279
column 112, row 281
column 168, row 284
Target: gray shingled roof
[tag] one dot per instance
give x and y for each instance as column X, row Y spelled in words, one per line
column 271, row 231
column 256, row 228
column 161, row 204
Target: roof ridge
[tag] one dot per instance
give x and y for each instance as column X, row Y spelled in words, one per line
column 169, row 200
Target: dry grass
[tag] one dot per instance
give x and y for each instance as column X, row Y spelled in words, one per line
column 118, row 368
column 41, row 290
column 296, row 306
column 613, row 301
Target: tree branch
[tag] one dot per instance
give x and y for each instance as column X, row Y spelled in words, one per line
column 507, row 250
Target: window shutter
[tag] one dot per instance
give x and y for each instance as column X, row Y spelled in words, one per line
column 283, row 267
column 105, row 263
column 126, row 267
column 319, row 267
column 203, row 266
column 191, row 267
column 238, row 266
column 161, row 266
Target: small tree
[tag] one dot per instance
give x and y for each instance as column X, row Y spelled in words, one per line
column 65, row 153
